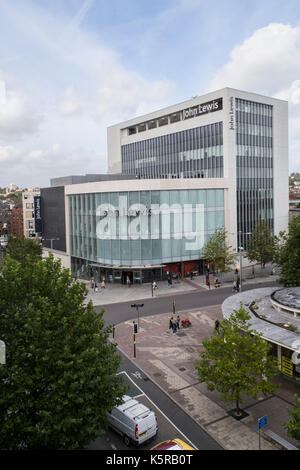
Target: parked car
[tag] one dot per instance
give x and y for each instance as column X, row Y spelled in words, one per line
column 133, row 421
column 174, row 444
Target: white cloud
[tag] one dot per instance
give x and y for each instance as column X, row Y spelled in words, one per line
column 8, row 154
column 70, row 103
column 268, row 62
column 17, row 117
column 265, row 62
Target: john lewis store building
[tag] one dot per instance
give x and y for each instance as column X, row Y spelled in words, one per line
column 216, row 160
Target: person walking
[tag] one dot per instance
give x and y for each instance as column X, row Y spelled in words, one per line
column 171, row 323
column 178, row 322
column 95, row 287
column 234, row 286
column 92, row 283
column 128, row 281
column 103, row 284
column 217, row 325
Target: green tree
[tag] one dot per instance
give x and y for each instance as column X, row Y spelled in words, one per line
column 287, row 254
column 19, row 248
column 293, row 426
column 260, row 246
column 217, row 252
column 60, row 378
column 235, row 361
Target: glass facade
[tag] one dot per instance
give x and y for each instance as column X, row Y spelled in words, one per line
column 193, row 153
column 143, row 227
column 254, row 163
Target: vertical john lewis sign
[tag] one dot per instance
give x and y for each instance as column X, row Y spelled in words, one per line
column 37, row 214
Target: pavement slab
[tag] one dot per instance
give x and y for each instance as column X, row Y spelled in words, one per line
column 169, row 360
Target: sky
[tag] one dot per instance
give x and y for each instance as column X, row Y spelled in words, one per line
column 71, row 68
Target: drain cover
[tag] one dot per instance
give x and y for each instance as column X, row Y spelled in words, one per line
column 182, row 369
column 157, row 374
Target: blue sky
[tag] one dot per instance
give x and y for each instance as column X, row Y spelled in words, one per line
column 70, row 68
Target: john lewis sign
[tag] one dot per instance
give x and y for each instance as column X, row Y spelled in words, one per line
column 209, row 107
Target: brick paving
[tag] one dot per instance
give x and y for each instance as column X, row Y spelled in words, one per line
column 169, row 360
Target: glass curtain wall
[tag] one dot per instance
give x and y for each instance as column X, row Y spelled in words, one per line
column 143, row 227
column 254, row 161
column 194, row 153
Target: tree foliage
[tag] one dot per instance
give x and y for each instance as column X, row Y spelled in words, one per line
column 217, row 252
column 60, row 379
column 20, row 248
column 293, row 426
column 235, row 361
column 260, row 246
column 287, row 254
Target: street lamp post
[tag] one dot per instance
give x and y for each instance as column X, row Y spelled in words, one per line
column 137, row 306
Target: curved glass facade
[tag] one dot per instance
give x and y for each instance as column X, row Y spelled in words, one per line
column 143, row 227
column 193, row 153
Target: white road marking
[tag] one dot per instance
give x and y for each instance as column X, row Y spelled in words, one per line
column 166, row 417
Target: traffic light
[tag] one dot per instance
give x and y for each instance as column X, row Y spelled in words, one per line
column 135, row 328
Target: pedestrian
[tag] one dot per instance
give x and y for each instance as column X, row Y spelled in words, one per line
column 238, row 283
column 208, row 283
column 95, row 287
column 178, row 322
column 128, row 281
column 152, row 288
column 253, row 270
column 217, row 324
column 234, row 285
column 171, row 323
column 174, row 324
column 103, row 284
column 92, row 283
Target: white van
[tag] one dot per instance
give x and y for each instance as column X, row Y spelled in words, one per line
column 134, row 421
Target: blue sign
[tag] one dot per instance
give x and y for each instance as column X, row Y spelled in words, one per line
column 262, row 422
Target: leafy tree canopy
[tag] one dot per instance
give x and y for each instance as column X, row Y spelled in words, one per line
column 19, row 248
column 217, row 252
column 293, row 426
column 287, row 254
column 60, row 378
column 235, row 361
column 260, row 246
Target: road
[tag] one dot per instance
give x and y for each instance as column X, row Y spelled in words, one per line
column 173, row 422
column 117, row 313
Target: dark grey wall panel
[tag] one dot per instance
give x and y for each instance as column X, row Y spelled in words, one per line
column 53, row 217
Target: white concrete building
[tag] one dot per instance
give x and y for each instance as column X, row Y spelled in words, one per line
column 230, row 134
column 217, row 160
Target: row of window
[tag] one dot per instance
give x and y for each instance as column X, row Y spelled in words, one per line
column 254, row 165
column 170, row 155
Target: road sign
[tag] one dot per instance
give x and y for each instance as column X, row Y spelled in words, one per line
column 262, row 422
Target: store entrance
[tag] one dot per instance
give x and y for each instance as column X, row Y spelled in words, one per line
column 125, row 276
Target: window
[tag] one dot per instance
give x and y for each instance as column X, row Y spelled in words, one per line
column 152, row 125
column 163, row 121
column 142, row 127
